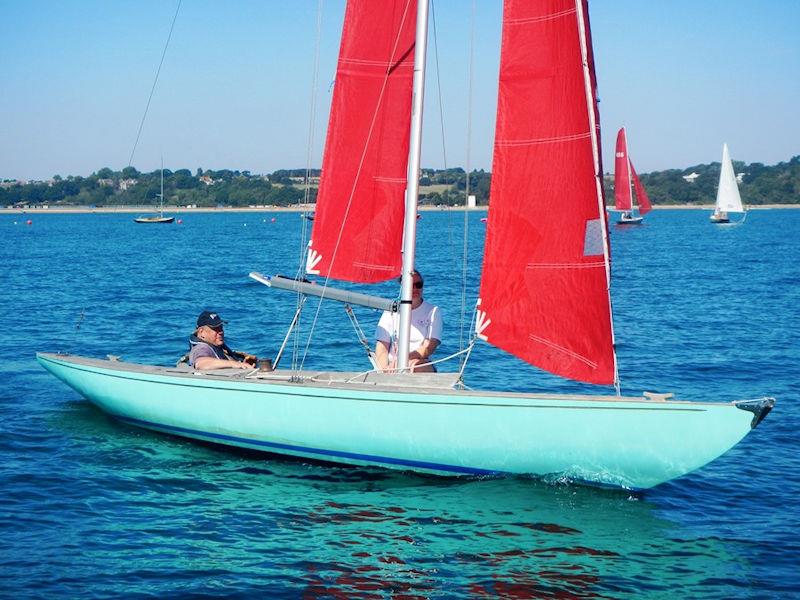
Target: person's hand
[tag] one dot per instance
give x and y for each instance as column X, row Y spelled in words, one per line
column 242, row 365
column 251, row 360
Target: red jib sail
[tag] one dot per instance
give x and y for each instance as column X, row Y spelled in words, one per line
column 622, row 174
column 544, row 288
column 641, row 195
column 358, row 222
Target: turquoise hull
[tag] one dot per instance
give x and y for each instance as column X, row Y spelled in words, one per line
column 633, row 443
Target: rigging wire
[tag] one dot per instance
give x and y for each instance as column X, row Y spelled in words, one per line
column 357, row 177
column 155, row 81
column 441, row 119
column 304, row 233
column 468, row 160
column 438, row 82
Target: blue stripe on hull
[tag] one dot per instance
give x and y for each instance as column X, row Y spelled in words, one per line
column 319, row 452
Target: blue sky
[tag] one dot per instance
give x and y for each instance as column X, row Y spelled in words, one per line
column 236, row 85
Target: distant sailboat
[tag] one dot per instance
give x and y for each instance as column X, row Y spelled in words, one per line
column 624, row 175
column 728, row 198
column 157, row 218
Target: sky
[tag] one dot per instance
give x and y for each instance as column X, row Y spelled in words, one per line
column 238, row 90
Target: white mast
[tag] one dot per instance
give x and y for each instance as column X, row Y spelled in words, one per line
column 161, row 195
column 412, row 185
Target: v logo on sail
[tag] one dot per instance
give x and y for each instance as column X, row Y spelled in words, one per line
column 312, row 260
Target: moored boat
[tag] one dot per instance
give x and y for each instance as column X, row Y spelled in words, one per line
column 159, row 216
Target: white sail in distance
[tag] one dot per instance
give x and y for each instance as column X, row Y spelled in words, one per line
column 728, row 199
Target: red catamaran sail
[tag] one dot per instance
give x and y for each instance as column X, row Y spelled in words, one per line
column 624, row 173
column 358, row 224
column 544, row 289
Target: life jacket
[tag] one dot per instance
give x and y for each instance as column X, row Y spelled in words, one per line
column 223, row 352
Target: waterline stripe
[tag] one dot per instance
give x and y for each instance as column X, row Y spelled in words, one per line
column 317, row 451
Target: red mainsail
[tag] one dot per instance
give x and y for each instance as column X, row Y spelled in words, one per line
column 544, row 288
column 622, row 173
column 358, row 222
column 641, row 195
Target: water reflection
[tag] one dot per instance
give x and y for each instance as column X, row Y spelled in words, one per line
column 327, row 531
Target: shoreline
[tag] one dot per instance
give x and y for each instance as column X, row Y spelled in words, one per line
column 306, row 208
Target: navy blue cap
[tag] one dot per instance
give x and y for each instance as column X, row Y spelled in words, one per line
column 210, row 319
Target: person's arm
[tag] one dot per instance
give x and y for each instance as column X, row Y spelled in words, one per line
column 207, row 362
column 382, row 354
column 425, row 350
column 383, row 341
column 252, row 359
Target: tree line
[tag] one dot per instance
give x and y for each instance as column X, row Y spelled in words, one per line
column 759, row 184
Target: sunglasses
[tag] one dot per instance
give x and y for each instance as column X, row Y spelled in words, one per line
column 217, row 328
column 419, row 284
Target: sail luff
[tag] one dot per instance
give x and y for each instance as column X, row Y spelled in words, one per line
column 590, row 87
column 545, row 284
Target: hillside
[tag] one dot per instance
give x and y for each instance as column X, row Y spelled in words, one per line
column 759, row 184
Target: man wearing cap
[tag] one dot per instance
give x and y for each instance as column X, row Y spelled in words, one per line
column 207, row 348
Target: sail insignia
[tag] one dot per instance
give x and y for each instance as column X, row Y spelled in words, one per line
column 312, row 260
column 481, row 323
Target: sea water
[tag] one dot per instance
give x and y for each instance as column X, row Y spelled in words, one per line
column 93, row 507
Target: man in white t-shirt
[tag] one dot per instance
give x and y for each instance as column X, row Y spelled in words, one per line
column 426, row 333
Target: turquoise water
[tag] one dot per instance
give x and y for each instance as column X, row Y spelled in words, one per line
column 94, row 507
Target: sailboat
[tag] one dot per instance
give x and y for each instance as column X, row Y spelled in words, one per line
column 728, row 198
column 158, row 217
column 544, row 292
column 624, row 176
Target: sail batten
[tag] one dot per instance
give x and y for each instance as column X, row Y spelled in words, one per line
column 544, row 287
column 358, row 223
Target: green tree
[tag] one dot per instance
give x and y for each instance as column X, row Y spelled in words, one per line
column 130, row 173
